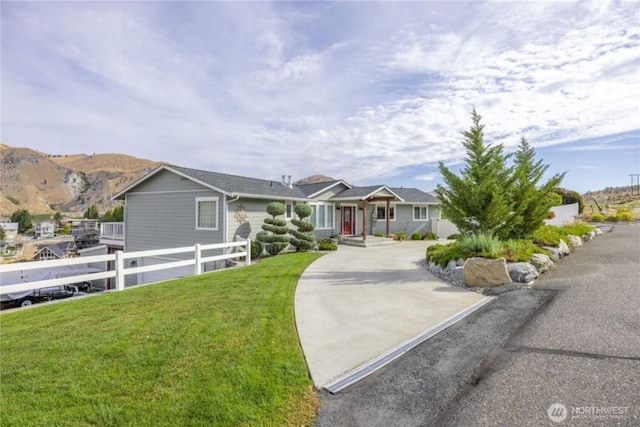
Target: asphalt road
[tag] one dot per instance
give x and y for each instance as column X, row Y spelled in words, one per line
column 573, row 341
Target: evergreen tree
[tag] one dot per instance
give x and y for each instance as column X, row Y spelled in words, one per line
column 92, row 212
column 24, row 220
column 301, row 240
column 276, row 233
column 531, row 199
column 478, row 201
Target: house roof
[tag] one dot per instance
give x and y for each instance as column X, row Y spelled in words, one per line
column 54, row 249
column 311, row 190
column 362, row 193
column 413, row 195
column 230, row 185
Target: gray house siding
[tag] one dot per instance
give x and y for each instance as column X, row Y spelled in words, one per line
column 159, row 219
column 404, row 220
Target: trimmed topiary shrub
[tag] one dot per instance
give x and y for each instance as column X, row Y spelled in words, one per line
column 301, row 240
column 275, row 234
column 327, row 245
column 416, row 236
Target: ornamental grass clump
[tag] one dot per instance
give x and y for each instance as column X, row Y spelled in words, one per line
column 481, row 244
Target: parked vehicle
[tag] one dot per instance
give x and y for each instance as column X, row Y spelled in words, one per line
column 33, row 296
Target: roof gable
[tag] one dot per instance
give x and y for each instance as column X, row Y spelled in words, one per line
column 317, row 188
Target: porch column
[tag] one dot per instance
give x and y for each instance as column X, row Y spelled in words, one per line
column 387, row 216
column 364, row 220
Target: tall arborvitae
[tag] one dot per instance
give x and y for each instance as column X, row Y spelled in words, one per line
column 532, row 199
column 301, row 240
column 478, row 201
column 276, row 233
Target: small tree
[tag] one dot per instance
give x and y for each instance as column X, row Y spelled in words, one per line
column 532, row 199
column 570, row 197
column 478, row 201
column 92, row 212
column 276, row 233
column 301, row 240
column 58, row 218
column 114, row 215
column 23, row 218
column 3, row 234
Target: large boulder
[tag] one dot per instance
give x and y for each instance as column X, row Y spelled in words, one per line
column 522, row 272
column 564, row 248
column 541, row 262
column 484, row 272
column 554, row 253
column 575, row 241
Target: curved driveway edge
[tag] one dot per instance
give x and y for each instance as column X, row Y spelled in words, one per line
column 355, row 304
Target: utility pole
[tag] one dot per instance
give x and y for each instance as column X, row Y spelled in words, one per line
column 635, row 181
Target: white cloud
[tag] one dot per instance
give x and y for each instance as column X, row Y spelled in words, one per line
column 361, row 92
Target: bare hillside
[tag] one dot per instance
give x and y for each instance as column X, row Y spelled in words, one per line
column 42, row 183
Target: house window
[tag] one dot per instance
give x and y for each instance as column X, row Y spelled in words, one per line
column 420, row 213
column 322, row 215
column 206, row 213
column 381, row 213
column 288, row 213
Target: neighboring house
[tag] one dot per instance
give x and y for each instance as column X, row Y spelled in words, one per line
column 84, row 225
column 57, row 251
column 44, row 229
column 10, row 230
column 174, row 206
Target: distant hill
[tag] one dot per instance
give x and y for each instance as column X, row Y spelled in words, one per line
column 614, row 194
column 44, row 183
column 314, row 179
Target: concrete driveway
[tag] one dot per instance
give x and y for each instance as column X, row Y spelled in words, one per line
column 356, row 304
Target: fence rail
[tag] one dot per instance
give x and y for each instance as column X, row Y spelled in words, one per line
column 120, row 271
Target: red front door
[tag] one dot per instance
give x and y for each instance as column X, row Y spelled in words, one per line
column 348, row 220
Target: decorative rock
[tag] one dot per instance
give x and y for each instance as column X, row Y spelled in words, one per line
column 564, row 248
column 460, row 262
column 589, row 236
column 554, row 253
column 597, row 231
column 457, row 276
column 451, row 265
column 541, row 262
column 483, row 272
column 522, row 272
column 575, row 241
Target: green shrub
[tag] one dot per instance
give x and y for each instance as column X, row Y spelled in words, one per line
column 442, row 254
column 378, row 234
column 612, row 218
column 401, row 236
column 429, row 236
column 276, row 209
column 519, row 250
column 575, row 229
column 454, row 237
column 327, row 245
column 416, row 236
column 256, row 249
column 13, row 200
column 547, row 235
column 481, row 244
column 624, row 215
column 597, row 217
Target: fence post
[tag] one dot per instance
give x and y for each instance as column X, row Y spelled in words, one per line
column 119, row 271
column 248, row 257
column 198, row 260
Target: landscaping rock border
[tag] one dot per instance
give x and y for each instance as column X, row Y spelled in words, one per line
column 520, row 274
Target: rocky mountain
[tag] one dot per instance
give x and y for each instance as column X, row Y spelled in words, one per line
column 44, row 183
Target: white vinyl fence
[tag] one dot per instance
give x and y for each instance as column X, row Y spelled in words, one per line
column 119, row 272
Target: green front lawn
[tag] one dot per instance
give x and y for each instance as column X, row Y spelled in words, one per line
column 216, row 349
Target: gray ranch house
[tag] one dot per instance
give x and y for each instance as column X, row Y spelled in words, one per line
column 175, row 206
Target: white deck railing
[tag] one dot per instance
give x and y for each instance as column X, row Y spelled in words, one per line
column 112, row 230
column 120, row 271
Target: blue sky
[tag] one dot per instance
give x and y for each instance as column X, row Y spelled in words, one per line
column 372, row 92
